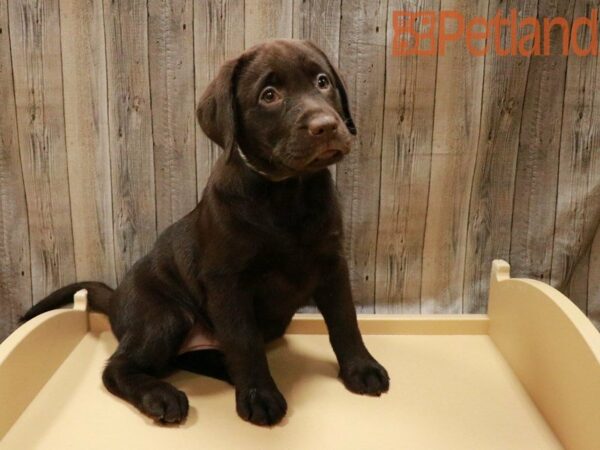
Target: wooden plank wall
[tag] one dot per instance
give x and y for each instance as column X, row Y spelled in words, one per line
column 15, row 266
column 460, row 159
column 492, row 190
column 576, row 247
column 456, row 119
column 87, row 138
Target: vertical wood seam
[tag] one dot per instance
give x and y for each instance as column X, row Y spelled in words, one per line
column 196, row 124
column 245, row 43
column 198, row 194
column 338, row 66
column 291, row 18
column 109, row 150
column 516, row 163
column 387, row 5
column 477, row 158
column 437, row 65
column 151, row 118
column 12, row 62
column 560, row 150
column 519, row 156
column 62, row 81
column 110, row 171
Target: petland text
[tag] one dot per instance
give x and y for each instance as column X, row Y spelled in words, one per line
column 429, row 32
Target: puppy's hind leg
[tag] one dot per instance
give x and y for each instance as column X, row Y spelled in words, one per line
column 144, row 354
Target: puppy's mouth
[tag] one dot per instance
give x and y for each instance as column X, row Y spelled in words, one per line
column 327, row 157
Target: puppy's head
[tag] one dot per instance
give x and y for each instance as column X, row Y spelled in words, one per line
column 282, row 106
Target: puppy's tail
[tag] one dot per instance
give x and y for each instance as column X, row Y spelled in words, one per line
column 99, row 296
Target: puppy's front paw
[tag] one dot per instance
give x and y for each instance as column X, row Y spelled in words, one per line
column 164, row 403
column 365, row 376
column 261, row 406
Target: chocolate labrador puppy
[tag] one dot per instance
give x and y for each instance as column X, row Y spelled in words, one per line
column 264, row 240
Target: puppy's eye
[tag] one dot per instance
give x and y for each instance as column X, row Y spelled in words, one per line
column 269, row 95
column 323, row 82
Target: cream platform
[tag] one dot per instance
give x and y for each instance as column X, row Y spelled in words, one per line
column 525, row 376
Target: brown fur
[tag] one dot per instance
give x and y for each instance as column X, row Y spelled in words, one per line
column 265, row 239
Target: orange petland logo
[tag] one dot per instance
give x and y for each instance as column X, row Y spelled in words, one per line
column 429, row 33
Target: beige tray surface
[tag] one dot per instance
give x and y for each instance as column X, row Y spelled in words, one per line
column 457, row 383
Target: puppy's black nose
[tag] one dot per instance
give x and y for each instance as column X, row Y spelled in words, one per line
column 322, row 124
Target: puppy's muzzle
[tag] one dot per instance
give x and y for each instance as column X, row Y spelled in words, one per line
column 329, row 154
column 329, row 144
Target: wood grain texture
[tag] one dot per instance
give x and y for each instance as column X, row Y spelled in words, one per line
column 405, row 170
column 362, row 61
column 171, row 59
column 578, row 200
column 267, row 19
column 36, row 57
column 455, row 136
column 218, row 36
column 86, row 122
column 130, row 125
column 319, row 21
column 577, row 289
column 492, row 190
column 536, row 182
column 457, row 162
column 15, row 271
column 593, row 294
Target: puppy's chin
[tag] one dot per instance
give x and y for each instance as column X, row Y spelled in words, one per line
column 310, row 165
column 298, row 159
column 290, row 161
column 327, row 157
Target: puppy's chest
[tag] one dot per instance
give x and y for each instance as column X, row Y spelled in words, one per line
column 290, row 271
column 303, row 234
column 279, row 297
column 294, row 269
column 301, row 229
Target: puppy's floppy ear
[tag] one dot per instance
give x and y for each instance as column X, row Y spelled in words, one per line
column 347, row 117
column 217, row 108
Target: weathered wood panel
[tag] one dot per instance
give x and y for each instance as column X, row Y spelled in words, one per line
column 577, row 289
column 218, row 36
column 578, row 204
column 319, row 21
column 405, row 170
column 36, row 57
column 362, row 60
column 578, row 200
column 130, row 125
column 492, row 191
column 86, row 121
column 15, row 267
column 455, row 136
column 456, row 163
column 593, row 294
column 171, row 58
column 267, row 19
column 536, row 182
